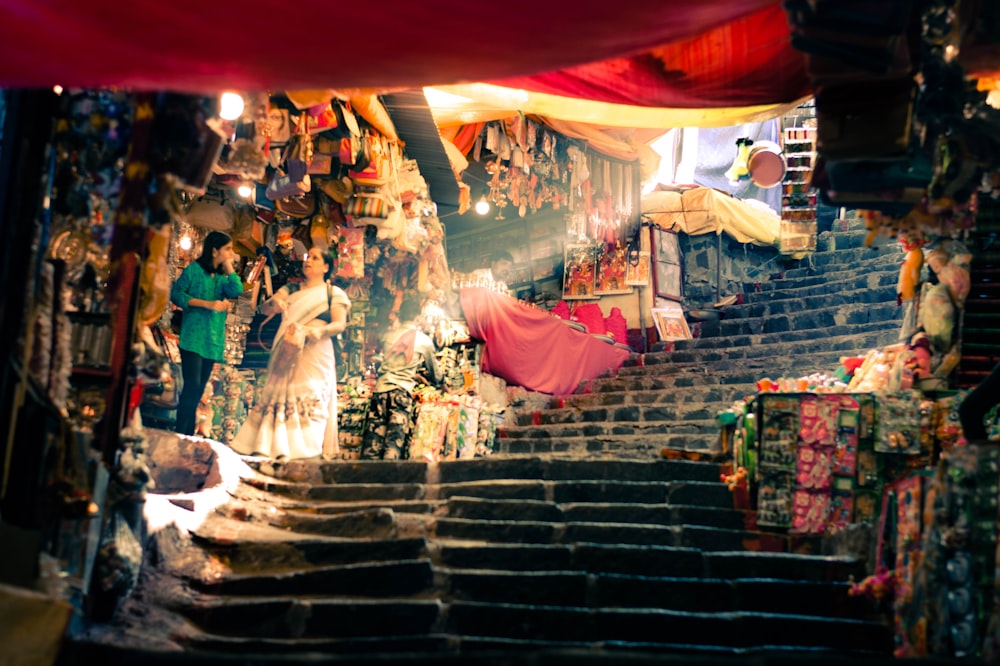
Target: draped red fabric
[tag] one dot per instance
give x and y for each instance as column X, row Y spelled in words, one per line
column 197, row 46
column 531, row 348
column 744, row 62
column 463, row 136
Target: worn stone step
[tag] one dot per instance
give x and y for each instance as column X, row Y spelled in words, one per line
column 859, row 333
column 398, row 578
column 571, row 469
column 634, row 413
column 340, row 492
column 728, row 367
column 349, row 649
column 652, row 560
column 736, row 629
column 806, row 276
column 700, row 438
column 634, row 389
column 319, row 472
column 851, row 257
column 806, row 317
column 782, row 566
column 367, row 522
column 244, row 555
column 657, row 514
column 857, row 276
column 833, row 300
column 697, row 595
column 632, row 432
column 691, row 536
column 702, row 353
column 882, row 282
column 314, row 618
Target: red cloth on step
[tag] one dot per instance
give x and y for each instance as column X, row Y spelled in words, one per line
column 529, row 347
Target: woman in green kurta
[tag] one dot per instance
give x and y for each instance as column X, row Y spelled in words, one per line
column 202, row 292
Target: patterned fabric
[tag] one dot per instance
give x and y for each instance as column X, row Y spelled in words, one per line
column 296, row 416
column 388, row 426
column 428, row 436
column 203, row 331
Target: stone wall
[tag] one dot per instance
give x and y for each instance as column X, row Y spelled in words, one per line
column 741, row 263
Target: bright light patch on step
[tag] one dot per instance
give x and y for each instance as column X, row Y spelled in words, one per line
column 195, row 508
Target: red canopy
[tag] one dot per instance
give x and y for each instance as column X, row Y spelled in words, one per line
column 198, row 46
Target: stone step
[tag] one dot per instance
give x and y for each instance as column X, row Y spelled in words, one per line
column 533, row 532
column 854, row 256
column 638, row 390
column 617, row 416
column 649, row 560
column 788, row 362
column 874, row 331
column 399, row 578
column 246, row 555
column 654, row 625
column 598, row 512
column 340, row 492
column 708, row 349
column 882, row 284
column 795, row 279
column 313, row 618
column 808, row 314
column 695, row 595
column 701, row 438
column 639, row 560
column 548, row 468
column 656, row 431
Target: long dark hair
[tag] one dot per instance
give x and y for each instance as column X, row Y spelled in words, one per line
column 330, row 259
column 213, row 241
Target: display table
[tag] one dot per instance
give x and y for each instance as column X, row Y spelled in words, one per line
column 531, row 348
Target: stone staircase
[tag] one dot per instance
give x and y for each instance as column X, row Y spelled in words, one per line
column 515, row 556
column 842, row 302
column 981, row 320
column 576, row 541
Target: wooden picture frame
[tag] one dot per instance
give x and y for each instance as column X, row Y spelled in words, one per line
column 611, row 269
column 670, row 323
column 579, row 271
column 637, row 274
column 668, row 276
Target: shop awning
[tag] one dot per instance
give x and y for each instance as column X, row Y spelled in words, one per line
column 653, row 53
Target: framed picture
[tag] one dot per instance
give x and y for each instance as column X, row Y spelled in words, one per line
column 580, row 272
column 611, row 272
column 637, row 274
column 671, row 324
column 668, row 278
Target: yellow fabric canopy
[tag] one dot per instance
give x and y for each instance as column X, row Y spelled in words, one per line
column 478, row 102
column 703, row 210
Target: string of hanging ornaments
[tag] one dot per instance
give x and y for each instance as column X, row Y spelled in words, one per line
column 530, row 167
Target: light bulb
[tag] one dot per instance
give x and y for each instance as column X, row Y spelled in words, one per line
column 244, row 191
column 185, row 243
column 482, row 206
column 230, row 106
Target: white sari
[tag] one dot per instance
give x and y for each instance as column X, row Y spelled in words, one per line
column 296, row 416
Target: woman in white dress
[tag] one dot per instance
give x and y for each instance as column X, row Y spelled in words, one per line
column 296, row 416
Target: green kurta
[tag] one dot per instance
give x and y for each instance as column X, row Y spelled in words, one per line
column 204, row 331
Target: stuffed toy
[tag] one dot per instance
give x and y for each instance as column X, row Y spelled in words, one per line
column 909, row 276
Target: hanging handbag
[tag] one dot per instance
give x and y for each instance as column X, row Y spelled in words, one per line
column 299, row 154
column 283, row 186
column 368, row 204
column 211, row 211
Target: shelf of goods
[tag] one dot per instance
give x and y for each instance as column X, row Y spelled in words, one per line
column 798, row 198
